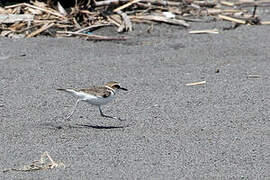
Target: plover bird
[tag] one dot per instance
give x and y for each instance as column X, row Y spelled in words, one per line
column 96, row 95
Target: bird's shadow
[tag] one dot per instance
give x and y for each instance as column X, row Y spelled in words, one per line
column 80, row 126
column 97, row 126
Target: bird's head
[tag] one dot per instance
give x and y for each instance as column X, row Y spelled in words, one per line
column 115, row 85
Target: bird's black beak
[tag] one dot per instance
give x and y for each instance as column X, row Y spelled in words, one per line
column 123, row 89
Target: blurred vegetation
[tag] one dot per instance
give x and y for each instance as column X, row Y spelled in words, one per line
column 64, row 3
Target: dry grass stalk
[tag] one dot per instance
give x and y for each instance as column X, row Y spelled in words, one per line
column 115, row 19
column 265, row 22
column 43, row 28
column 215, row 11
column 50, row 11
column 92, row 27
column 126, row 5
column 226, row 3
column 162, row 19
column 108, row 2
column 253, row 76
column 92, row 36
column 239, row 21
column 206, row 31
column 196, row 83
column 153, row 2
column 261, row 3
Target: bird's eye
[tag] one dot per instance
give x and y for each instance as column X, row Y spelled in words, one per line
column 117, row 86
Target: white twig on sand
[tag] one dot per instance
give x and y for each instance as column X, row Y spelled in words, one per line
column 45, row 162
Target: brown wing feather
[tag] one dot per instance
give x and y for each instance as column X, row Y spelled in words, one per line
column 97, row 91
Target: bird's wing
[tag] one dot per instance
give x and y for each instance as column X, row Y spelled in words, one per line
column 97, row 91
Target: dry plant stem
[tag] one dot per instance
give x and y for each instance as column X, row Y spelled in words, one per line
column 108, row 2
column 93, row 37
column 189, row 19
column 31, row 27
column 162, row 19
column 49, row 21
column 39, row 8
column 214, row 11
column 205, row 4
column 149, row 7
column 265, row 22
column 163, row 2
column 154, row 2
column 196, row 83
column 207, row 31
column 261, row 3
column 92, row 26
column 43, row 28
column 125, row 5
column 226, row 3
column 114, row 21
column 12, row 18
column 253, row 76
column 77, row 25
column 17, row 26
column 239, row 21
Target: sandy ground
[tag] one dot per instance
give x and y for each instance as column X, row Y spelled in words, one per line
column 219, row 130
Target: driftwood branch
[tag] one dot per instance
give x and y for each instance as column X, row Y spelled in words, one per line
column 92, row 36
column 239, row 21
column 12, row 18
column 162, row 19
column 153, row 2
column 207, row 31
column 126, row 5
column 53, row 12
column 43, row 28
column 33, row 18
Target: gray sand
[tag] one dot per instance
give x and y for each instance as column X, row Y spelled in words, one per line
column 219, row 130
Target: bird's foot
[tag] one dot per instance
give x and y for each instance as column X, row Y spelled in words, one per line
column 113, row 117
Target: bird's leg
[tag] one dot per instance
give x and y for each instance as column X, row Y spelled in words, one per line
column 103, row 115
column 69, row 116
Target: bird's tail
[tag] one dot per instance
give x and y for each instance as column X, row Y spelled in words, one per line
column 61, row 89
column 67, row 90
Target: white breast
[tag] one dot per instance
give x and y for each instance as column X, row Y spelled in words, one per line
column 96, row 100
column 91, row 99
